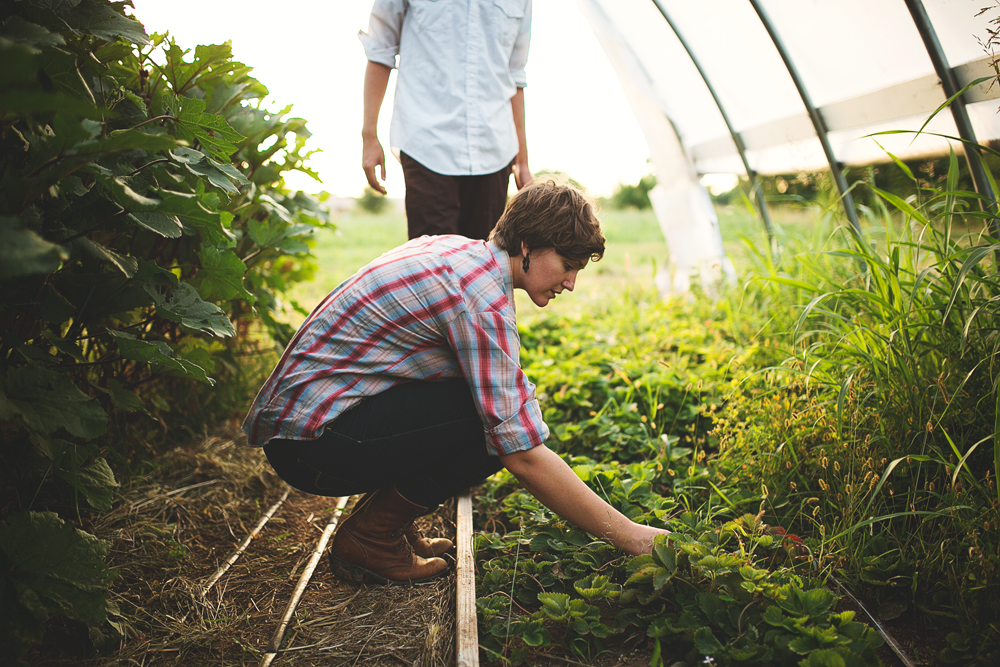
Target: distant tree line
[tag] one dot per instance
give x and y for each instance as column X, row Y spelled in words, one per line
column 809, row 186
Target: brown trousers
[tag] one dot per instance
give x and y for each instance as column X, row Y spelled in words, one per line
column 439, row 204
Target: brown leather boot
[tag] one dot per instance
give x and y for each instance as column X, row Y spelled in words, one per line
column 428, row 547
column 369, row 544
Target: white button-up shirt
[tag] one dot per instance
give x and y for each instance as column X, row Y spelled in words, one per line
column 460, row 63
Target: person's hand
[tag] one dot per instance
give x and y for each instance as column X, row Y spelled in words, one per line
column 522, row 175
column 373, row 156
column 549, row 478
column 640, row 539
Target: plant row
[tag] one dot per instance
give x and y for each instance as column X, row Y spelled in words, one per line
column 719, row 588
column 841, row 400
column 144, row 226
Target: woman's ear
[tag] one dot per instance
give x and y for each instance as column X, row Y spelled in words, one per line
column 525, row 257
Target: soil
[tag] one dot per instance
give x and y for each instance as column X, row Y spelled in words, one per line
column 920, row 644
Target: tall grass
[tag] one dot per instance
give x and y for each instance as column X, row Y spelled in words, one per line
column 879, row 430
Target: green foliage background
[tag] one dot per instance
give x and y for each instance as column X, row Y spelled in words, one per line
column 373, row 202
column 632, row 196
column 145, row 234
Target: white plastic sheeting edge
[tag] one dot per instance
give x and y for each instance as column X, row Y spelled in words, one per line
column 682, row 206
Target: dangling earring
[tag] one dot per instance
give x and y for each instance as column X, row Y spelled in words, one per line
column 524, row 264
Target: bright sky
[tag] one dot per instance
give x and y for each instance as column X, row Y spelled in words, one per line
column 307, row 53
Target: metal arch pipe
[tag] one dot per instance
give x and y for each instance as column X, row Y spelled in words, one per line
column 958, row 111
column 737, row 139
column 814, row 116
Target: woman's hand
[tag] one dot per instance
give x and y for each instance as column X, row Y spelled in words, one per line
column 555, row 485
column 640, row 539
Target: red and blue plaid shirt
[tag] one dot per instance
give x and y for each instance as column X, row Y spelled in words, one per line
column 435, row 308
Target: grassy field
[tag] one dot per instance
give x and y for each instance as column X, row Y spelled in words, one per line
column 635, row 251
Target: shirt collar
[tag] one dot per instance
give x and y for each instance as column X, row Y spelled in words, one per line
column 503, row 260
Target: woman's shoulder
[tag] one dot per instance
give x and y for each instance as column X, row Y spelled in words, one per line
column 450, row 258
column 442, row 246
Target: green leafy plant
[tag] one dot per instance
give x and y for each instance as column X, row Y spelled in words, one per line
column 373, row 202
column 720, row 588
column 634, row 385
column 49, row 567
column 882, row 430
column 632, row 196
column 145, row 229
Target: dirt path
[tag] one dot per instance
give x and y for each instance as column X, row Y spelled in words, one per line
column 170, row 532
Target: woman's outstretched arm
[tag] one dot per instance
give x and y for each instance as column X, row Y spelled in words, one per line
column 549, row 479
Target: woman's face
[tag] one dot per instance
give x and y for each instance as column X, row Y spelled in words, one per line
column 548, row 274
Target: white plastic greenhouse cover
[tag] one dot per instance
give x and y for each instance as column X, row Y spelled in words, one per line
column 862, row 63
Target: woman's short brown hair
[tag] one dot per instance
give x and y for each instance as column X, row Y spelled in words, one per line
column 546, row 214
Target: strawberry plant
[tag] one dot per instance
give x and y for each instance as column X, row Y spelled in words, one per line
column 720, row 587
column 631, row 401
column 626, row 385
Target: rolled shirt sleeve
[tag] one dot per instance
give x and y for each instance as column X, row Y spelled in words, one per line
column 487, row 347
column 385, row 25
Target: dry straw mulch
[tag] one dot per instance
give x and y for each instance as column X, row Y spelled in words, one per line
column 172, row 529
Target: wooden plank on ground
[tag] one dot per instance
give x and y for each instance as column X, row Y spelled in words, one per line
column 467, row 632
column 233, row 557
column 275, row 645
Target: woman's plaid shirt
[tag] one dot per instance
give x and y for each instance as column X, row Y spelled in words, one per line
column 435, row 308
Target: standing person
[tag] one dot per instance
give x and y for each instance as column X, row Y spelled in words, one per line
column 458, row 114
column 405, row 384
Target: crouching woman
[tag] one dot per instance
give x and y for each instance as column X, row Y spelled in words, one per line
column 404, row 384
